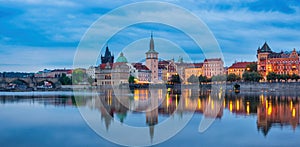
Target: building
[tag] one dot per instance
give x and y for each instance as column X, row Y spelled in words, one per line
column 238, row 68
column 91, row 72
column 53, row 73
column 141, row 73
column 108, row 57
column 152, row 61
column 197, row 70
column 120, row 70
column 279, row 63
column 213, row 67
column 103, row 74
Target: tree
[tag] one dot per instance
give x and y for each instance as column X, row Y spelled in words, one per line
column 193, row 79
column 295, row 77
column 91, row 80
column 251, row 76
column 78, row 76
column 272, row 76
column 131, row 79
column 219, row 78
column 233, row 77
column 175, row 79
column 203, row 79
column 252, row 67
column 64, row 80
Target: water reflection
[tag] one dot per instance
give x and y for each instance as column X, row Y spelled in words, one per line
column 270, row 110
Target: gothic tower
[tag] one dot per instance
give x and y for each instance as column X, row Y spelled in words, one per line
column 108, row 57
column 152, row 61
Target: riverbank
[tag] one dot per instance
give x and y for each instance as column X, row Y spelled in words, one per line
column 244, row 87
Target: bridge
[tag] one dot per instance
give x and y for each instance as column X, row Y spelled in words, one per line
column 28, row 82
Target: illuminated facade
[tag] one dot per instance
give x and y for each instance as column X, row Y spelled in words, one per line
column 238, row 68
column 197, row 70
column 279, row 63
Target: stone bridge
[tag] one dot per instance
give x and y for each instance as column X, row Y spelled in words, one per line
column 30, row 82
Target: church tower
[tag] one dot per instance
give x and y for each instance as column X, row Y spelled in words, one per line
column 152, row 61
column 108, row 57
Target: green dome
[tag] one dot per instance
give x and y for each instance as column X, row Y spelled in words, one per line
column 121, row 58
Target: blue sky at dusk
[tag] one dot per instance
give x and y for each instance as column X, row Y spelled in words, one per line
column 39, row 34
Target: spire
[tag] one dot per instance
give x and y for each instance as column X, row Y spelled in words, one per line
column 151, row 43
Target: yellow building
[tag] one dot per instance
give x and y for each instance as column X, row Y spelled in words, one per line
column 197, row 70
column 238, row 68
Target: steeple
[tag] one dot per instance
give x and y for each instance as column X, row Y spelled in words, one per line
column 151, row 46
column 151, row 43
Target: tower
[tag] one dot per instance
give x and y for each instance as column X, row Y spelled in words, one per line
column 152, row 61
column 107, row 57
column 262, row 57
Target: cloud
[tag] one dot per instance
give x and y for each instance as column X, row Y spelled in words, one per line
column 50, row 27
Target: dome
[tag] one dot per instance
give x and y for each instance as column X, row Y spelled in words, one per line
column 121, row 58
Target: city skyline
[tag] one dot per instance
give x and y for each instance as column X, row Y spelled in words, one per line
column 33, row 40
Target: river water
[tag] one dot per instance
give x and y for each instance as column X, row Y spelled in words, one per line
column 60, row 118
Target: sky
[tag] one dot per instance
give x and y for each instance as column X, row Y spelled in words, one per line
column 40, row 34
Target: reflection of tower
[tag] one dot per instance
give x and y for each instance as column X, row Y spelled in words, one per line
column 152, row 61
column 152, row 112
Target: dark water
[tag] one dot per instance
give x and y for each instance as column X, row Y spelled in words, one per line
column 53, row 118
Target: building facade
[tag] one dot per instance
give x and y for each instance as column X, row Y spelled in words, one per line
column 238, row 68
column 213, row 67
column 197, row 70
column 279, row 63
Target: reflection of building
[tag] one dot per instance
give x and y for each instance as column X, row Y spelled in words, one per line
column 213, row 67
column 270, row 113
column 238, row 68
column 152, row 61
column 280, row 63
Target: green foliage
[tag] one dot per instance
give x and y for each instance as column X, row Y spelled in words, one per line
column 193, row 79
column 91, row 80
column 64, row 80
column 251, row 76
column 175, row 79
column 78, row 76
column 295, row 77
column 219, row 78
column 131, row 79
column 252, row 67
column 272, row 76
column 233, row 77
column 203, row 79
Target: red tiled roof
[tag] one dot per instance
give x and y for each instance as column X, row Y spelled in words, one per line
column 140, row 66
column 198, row 65
column 240, row 64
column 213, row 59
column 102, row 66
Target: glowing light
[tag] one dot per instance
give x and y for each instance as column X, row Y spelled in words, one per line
column 248, row 108
column 270, row 110
column 237, row 105
column 291, row 105
column 294, row 112
column 212, row 105
column 136, row 95
column 199, row 104
column 168, row 99
column 224, row 104
column 230, row 106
